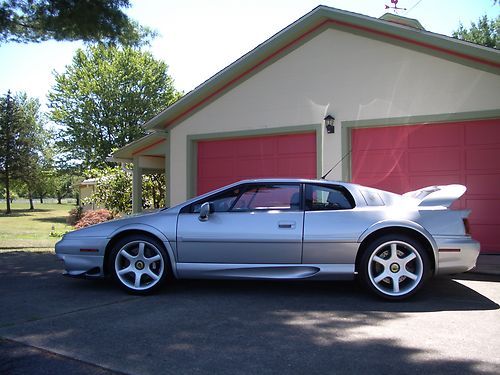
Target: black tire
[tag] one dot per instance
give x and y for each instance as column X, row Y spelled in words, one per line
column 139, row 264
column 394, row 267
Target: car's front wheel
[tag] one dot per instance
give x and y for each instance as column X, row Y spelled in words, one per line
column 394, row 267
column 139, row 264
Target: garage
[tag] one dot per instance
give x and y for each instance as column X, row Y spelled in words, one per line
column 403, row 158
column 224, row 161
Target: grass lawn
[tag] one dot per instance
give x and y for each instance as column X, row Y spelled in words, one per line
column 31, row 229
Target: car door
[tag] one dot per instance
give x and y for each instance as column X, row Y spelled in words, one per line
column 331, row 227
column 250, row 224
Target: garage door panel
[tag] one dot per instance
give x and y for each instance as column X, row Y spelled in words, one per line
column 439, row 154
column 254, row 167
column 264, row 147
column 424, row 136
column 488, row 236
column 218, row 167
column 380, row 162
column 482, row 159
column 434, row 160
column 213, row 150
column 484, row 211
column 483, row 184
column 292, row 166
column 484, row 133
column 290, row 144
column 380, row 138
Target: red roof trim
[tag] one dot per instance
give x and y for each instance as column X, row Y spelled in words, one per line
column 148, row 146
column 315, row 28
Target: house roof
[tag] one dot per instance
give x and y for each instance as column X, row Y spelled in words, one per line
column 401, row 31
column 391, row 30
column 140, row 146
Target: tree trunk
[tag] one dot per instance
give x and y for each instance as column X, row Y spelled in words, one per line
column 7, row 151
column 7, row 190
column 77, row 199
column 41, row 199
column 32, row 207
column 59, row 199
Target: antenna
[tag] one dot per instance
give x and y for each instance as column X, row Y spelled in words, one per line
column 332, row 168
column 394, row 6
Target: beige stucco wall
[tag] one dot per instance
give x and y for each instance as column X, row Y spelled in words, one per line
column 348, row 76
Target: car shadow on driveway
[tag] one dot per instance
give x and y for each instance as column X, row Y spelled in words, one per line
column 241, row 327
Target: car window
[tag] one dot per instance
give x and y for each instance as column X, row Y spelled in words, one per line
column 269, row 197
column 321, row 197
column 221, row 202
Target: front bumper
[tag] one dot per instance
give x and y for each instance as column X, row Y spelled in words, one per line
column 456, row 254
column 82, row 257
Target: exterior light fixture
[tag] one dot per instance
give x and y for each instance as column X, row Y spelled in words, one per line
column 329, row 120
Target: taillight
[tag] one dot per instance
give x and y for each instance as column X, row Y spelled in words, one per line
column 466, row 226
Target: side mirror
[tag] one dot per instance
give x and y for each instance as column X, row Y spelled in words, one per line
column 205, row 210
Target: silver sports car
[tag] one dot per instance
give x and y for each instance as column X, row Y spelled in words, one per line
column 283, row 229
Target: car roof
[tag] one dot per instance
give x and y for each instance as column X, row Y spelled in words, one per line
column 293, row 180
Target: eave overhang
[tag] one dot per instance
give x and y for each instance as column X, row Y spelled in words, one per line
column 140, row 147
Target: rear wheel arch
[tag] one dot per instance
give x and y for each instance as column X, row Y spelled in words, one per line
column 412, row 233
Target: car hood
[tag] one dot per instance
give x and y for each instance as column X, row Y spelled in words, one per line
column 106, row 228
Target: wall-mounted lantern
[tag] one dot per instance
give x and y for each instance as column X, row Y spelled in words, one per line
column 329, row 120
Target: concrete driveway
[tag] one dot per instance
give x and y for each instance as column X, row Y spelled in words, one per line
column 452, row 326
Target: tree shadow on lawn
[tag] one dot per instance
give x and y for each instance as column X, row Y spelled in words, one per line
column 52, row 219
column 23, row 212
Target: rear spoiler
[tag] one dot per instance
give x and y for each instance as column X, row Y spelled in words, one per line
column 443, row 195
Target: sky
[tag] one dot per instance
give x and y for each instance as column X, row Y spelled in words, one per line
column 198, row 38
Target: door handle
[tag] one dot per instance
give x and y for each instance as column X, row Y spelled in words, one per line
column 287, row 224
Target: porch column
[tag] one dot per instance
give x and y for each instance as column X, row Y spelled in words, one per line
column 168, row 155
column 136, row 187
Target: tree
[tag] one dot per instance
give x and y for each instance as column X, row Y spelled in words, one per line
column 485, row 32
column 104, row 97
column 21, row 142
column 89, row 20
column 113, row 190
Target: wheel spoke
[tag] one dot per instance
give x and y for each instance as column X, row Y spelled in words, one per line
column 380, row 277
column 126, row 270
column 394, row 251
column 152, row 275
column 142, row 245
column 410, row 275
column 378, row 259
column 127, row 255
column 395, row 284
column 137, row 282
column 409, row 258
column 153, row 258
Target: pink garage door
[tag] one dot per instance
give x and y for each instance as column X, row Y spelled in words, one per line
column 404, row 158
column 222, row 162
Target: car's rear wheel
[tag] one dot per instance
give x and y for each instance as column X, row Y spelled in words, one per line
column 139, row 264
column 394, row 267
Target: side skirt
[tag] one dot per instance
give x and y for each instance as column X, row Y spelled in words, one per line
column 265, row 271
